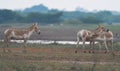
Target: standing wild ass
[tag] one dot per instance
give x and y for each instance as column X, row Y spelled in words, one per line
column 85, row 35
column 23, row 34
column 103, row 36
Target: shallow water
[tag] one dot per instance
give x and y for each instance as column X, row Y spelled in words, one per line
column 47, row 42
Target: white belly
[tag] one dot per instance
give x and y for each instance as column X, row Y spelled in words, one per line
column 16, row 36
column 26, row 35
column 103, row 39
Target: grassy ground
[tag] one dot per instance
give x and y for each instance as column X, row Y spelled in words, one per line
column 53, row 66
column 56, row 58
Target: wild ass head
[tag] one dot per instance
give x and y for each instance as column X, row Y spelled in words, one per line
column 36, row 28
column 100, row 29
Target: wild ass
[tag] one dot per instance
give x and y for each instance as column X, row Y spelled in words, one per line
column 85, row 35
column 24, row 34
column 103, row 36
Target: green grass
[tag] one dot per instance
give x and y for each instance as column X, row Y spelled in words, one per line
column 17, row 65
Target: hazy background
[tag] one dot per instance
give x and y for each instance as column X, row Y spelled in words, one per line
column 68, row 5
column 59, row 19
column 60, row 11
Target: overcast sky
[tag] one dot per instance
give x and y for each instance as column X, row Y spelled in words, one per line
column 70, row 5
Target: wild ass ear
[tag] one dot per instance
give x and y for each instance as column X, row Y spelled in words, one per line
column 107, row 30
column 35, row 24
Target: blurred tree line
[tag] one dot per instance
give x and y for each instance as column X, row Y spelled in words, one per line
column 55, row 16
column 7, row 16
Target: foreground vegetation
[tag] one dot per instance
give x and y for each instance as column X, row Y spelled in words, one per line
column 55, row 57
column 8, row 65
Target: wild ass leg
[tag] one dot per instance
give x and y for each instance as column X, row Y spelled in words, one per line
column 6, row 44
column 6, row 41
column 83, row 43
column 106, row 46
column 78, row 40
column 111, row 44
column 91, row 44
column 83, row 39
column 100, row 43
column 25, row 45
column 91, row 47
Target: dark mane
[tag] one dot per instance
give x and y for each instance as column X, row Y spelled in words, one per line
column 107, row 30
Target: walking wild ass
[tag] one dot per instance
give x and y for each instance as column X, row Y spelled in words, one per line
column 24, row 34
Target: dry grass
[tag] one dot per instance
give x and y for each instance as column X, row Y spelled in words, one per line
column 56, row 58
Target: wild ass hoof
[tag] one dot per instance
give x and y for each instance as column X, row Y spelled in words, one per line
column 75, row 51
column 106, row 52
column 84, row 51
column 89, row 51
